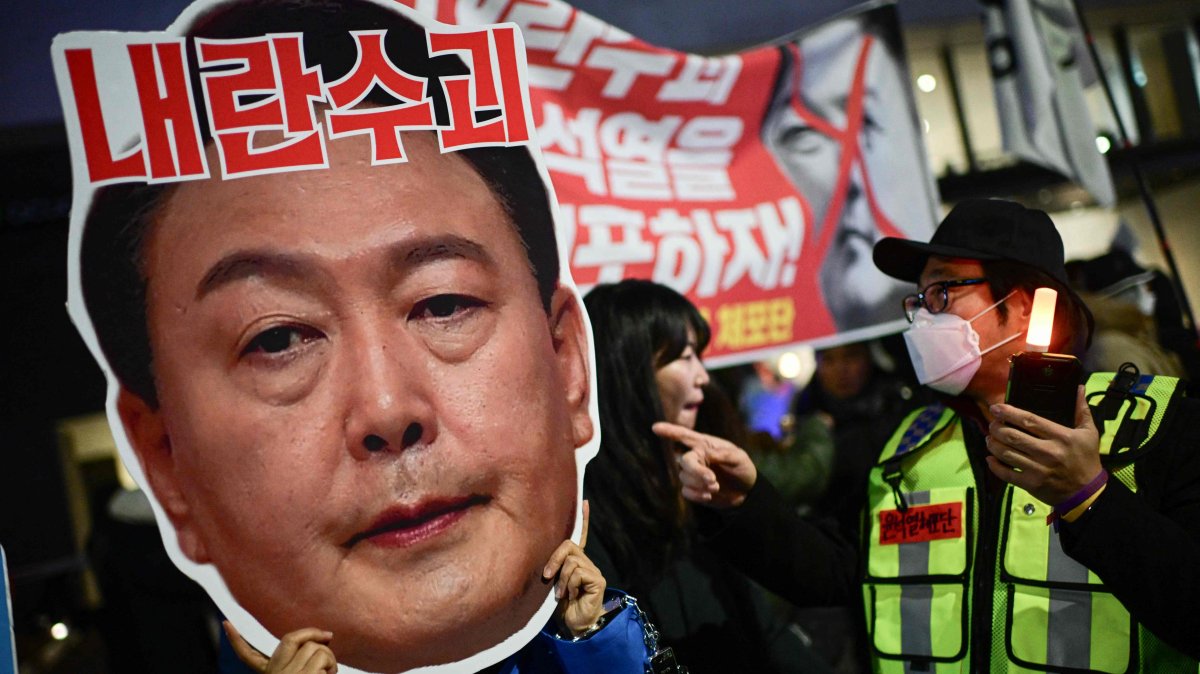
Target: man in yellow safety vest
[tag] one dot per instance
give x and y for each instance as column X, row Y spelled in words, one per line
column 993, row 539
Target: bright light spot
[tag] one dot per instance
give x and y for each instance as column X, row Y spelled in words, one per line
column 1139, row 77
column 1041, row 319
column 59, row 631
column 1103, row 144
column 789, row 365
column 926, row 83
column 925, row 123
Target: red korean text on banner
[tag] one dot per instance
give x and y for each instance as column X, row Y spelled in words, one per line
column 170, row 146
column 262, row 84
column 169, row 126
column 492, row 55
column 97, row 145
column 383, row 123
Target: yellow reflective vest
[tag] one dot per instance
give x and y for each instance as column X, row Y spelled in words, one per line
column 1048, row 612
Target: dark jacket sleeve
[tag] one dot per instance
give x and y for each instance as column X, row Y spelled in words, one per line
column 1146, row 546
column 807, row 563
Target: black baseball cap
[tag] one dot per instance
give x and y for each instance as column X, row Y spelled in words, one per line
column 984, row 229
column 980, row 229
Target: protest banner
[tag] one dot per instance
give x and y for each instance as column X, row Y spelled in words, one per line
column 754, row 183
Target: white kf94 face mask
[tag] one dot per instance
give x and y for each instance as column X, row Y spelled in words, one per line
column 944, row 348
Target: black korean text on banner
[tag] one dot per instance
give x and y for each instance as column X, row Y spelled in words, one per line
column 263, row 84
column 673, row 166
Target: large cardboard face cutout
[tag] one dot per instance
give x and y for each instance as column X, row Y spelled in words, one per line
column 343, row 359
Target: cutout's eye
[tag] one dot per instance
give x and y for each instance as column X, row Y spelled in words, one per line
column 279, row 339
column 445, row 306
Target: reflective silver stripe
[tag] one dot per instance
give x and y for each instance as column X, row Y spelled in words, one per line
column 916, row 601
column 1069, row 624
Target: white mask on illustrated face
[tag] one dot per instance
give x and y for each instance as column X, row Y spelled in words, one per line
column 944, row 348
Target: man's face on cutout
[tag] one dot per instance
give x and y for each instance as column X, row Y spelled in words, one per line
column 368, row 419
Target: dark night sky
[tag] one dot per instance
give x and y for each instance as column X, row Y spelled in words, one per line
column 27, row 79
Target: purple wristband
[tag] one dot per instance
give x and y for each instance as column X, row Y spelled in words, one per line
column 1080, row 496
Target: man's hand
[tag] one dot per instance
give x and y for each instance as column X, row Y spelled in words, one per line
column 578, row 584
column 713, row 472
column 304, row 651
column 1052, row 462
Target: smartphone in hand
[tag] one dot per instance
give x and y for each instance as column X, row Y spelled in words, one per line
column 1045, row 384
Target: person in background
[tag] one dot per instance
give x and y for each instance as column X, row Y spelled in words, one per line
column 766, row 400
column 855, row 404
column 860, row 403
column 648, row 343
column 1120, row 295
column 797, row 457
column 838, row 423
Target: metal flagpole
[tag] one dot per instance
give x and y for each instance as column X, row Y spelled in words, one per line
column 1143, row 187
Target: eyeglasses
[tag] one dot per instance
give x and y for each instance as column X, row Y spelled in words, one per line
column 935, row 297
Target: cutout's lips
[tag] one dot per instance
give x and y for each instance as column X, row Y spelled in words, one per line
column 403, row 526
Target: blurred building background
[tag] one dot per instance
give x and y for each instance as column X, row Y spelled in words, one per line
column 66, row 512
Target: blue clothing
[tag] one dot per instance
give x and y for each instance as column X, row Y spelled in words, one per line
column 765, row 408
column 617, row 648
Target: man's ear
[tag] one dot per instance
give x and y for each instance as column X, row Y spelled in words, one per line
column 148, row 436
column 569, row 338
column 1021, row 304
column 1018, row 307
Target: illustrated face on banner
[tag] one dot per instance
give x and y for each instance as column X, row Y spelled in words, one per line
column 841, row 126
column 359, row 395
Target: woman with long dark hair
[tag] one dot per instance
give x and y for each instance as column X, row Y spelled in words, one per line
column 649, row 340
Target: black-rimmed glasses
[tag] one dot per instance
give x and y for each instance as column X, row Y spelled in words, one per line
column 935, row 297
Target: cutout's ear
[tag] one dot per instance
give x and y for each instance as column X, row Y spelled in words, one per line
column 569, row 337
column 148, row 435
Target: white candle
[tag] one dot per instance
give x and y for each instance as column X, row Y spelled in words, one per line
column 1041, row 320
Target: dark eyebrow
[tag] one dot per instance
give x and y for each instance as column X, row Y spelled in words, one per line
column 403, row 256
column 253, row 263
column 407, row 254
